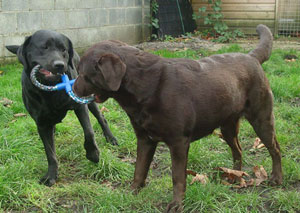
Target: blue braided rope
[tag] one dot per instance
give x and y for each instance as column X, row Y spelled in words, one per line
column 67, row 85
column 80, row 100
column 38, row 84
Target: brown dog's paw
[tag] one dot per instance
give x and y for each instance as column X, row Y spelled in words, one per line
column 275, row 180
column 175, row 206
column 136, row 187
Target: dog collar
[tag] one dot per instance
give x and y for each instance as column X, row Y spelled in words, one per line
column 66, row 85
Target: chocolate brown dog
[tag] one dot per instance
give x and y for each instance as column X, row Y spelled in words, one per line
column 181, row 100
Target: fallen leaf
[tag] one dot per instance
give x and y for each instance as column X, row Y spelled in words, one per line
column 258, row 144
column 6, row 102
column 243, row 183
column 251, row 182
column 261, row 146
column 190, row 172
column 231, row 175
column 217, row 133
column 237, row 173
column 203, row 179
column 107, row 183
column 19, row 115
column 104, row 109
column 129, row 160
column 260, row 173
column 13, row 121
column 226, row 183
column 1, row 72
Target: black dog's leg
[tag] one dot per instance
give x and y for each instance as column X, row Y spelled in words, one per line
column 92, row 152
column 47, row 135
column 101, row 120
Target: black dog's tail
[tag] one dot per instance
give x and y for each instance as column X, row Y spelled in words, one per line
column 263, row 51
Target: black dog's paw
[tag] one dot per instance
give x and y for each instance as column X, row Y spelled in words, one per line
column 48, row 180
column 93, row 155
column 112, row 140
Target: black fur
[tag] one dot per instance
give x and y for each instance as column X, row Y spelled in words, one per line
column 55, row 53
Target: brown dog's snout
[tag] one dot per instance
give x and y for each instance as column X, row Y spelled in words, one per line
column 75, row 88
column 79, row 88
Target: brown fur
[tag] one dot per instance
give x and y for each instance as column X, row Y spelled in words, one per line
column 181, row 100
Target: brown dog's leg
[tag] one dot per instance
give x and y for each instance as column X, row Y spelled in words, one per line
column 230, row 134
column 179, row 154
column 264, row 128
column 262, row 121
column 145, row 152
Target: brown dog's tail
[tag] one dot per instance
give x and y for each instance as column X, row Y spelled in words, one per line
column 263, row 51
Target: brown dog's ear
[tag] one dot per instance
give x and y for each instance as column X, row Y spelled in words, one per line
column 112, row 69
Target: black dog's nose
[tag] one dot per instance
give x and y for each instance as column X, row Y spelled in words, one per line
column 59, row 65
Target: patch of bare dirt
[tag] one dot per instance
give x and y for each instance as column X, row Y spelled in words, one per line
column 197, row 43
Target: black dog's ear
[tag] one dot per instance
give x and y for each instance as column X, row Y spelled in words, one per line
column 20, row 51
column 113, row 70
column 71, row 53
column 13, row 48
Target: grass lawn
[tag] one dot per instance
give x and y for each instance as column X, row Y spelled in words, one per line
column 104, row 187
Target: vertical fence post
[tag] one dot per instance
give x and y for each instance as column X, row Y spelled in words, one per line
column 276, row 22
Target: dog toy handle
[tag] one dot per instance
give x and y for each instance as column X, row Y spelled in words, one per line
column 38, row 84
column 66, row 85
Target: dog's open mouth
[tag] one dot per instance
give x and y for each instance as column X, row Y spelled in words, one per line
column 46, row 73
column 100, row 98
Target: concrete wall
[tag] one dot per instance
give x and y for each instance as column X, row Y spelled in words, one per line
column 85, row 22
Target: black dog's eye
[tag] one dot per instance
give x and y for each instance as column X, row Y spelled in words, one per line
column 64, row 50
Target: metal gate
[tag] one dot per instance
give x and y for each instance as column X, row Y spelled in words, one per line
column 288, row 17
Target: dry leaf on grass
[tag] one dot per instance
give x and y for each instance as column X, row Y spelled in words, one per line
column 230, row 177
column 260, row 173
column 290, row 60
column 104, row 109
column 14, row 120
column 128, row 160
column 19, row 115
column 106, row 183
column 217, row 133
column 1, row 72
column 257, row 144
column 6, row 102
column 190, row 172
column 203, row 179
column 200, row 178
column 232, row 172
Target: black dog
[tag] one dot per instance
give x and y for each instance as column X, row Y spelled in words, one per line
column 54, row 53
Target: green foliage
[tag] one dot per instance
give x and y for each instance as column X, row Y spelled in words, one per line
column 168, row 38
column 219, row 28
column 154, row 21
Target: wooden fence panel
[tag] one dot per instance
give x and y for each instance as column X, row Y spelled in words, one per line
column 243, row 14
